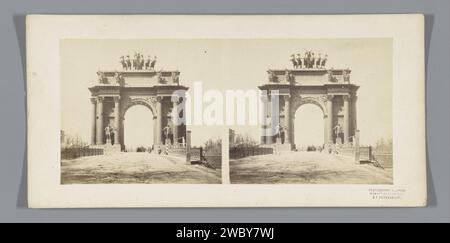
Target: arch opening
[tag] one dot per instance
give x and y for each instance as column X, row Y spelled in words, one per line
column 309, row 124
column 138, row 128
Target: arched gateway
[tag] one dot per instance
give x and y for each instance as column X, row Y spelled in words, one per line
column 115, row 92
column 330, row 90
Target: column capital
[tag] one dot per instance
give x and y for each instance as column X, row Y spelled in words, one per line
column 100, row 99
column 329, row 97
column 346, row 97
column 116, row 99
column 159, row 98
column 93, row 100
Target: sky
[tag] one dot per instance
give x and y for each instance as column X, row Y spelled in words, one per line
column 224, row 64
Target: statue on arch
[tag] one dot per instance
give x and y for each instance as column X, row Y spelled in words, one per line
column 288, row 76
column 153, row 63
column 141, row 62
column 272, row 77
column 176, row 78
column 294, row 61
column 118, row 77
column 147, row 63
column 128, row 61
column 299, row 61
column 346, row 75
column 331, row 77
column 135, row 61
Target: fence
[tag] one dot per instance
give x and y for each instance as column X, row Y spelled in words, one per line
column 383, row 157
column 241, row 152
column 73, row 153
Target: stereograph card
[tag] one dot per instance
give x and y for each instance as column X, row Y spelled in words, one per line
column 226, row 111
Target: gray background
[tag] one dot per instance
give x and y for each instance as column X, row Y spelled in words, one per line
column 13, row 111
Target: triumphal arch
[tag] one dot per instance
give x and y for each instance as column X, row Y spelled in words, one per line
column 114, row 92
column 329, row 89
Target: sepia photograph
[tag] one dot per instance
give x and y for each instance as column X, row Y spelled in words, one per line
column 327, row 115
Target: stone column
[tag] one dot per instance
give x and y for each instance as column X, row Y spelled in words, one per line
column 354, row 123
column 158, row 119
column 346, row 118
column 330, row 118
column 264, row 118
column 175, row 117
column 117, row 120
column 269, row 130
column 287, row 118
column 94, row 119
column 99, row 127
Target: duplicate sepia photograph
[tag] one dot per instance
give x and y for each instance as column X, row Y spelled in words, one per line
column 327, row 115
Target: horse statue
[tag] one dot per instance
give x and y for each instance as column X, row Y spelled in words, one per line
column 294, row 61
column 122, row 61
column 147, row 63
column 318, row 61
column 153, row 63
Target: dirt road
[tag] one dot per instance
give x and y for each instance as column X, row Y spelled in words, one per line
column 145, row 168
column 305, row 168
